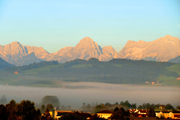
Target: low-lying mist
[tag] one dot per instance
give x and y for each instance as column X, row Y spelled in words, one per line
column 77, row 93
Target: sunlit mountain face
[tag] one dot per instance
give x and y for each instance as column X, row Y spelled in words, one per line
column 162, row 49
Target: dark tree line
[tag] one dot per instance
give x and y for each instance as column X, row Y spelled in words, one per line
column 24, row 110
column 120, row 114
column 148, row 105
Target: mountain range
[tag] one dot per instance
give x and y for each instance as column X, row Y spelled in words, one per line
column 162, row 49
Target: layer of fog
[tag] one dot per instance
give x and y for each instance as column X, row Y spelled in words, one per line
column 75, row 94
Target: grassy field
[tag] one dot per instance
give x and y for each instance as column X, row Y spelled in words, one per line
column 171, row 81
column 175, row 68
column 117, row 65
column 82, row 66
column 46, row 68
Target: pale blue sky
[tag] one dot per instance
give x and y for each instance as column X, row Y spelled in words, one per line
column 54, row 24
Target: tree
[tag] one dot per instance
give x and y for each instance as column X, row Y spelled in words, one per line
column 69, row 107
column 63, row 107
column 140, row 107
column 121, row 103
column 50, row 107
column 26, row 110
column 95, row 117
column 43, row 108
column 75, row 116
column 3, row 114
column 88, row 106
column 127, row 104
column 169, row 106
column 178, row 107
column 3, row 100
column 47, row 116
column 120, row 114
column 84, row 106
column 151, row 112
column 133, row 106
column 38, row 114
column 51, row 100
column 10, row 109
column 98, row 108
column 116, row 109
column 13, row 116
column 116, row 103
column 107, row 104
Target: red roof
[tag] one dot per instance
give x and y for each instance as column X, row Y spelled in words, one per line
column 139, row 115
column 177, row 116
column 143, row 111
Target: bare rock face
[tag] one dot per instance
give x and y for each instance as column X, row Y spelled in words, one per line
column 29, row 59
column 14, row 48
column 87, row 49
column 13, row 52
column 38, row 51
column 108, row 53
column 17, row 54
column 162, row 49
column 63, row 55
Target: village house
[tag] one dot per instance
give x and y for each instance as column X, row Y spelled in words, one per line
column 168, row 114
column 139, row 113
column 58, row 113
column 104, row 114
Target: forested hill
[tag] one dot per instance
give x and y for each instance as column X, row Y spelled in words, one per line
column 30, row 66
column 114, row 71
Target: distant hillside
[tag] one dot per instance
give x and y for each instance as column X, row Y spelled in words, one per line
column 30, row 66
column 4, row 64
column 117, row 71
column 175, row 60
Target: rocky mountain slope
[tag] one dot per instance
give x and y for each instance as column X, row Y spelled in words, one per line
column 85, row 49
column 162, row 49
column 4, row 64
column 17, row 54
column 175, row 60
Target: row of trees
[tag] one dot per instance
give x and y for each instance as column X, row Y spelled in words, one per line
column 128, row 105
column 24, row 110
column 52, row 102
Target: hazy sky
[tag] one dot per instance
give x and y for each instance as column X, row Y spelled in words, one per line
column 54, row 24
